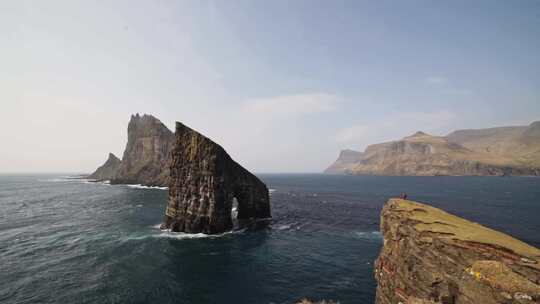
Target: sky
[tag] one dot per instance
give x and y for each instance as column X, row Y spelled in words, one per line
column 283, row 86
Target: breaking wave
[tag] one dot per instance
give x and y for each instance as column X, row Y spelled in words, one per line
column 369, row 235
column 139, row 186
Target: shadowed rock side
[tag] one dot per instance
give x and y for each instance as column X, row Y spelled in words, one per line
column 430, row 256
column 204, row 181
column 146, row 157
column 108, row 170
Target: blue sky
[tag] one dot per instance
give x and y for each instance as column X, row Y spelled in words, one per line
column 282, row 85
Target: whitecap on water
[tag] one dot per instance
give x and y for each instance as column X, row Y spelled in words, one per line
column 183, row 235
column 368, row 235
column 139, row 186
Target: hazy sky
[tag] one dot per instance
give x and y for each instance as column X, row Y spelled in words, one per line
column 282, row 85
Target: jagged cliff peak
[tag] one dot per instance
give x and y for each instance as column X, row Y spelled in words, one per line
column 113, row 157
column 204, row 181
column 146, row 156
column 108, row 170
column 431, row 256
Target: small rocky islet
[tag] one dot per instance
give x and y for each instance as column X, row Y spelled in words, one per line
column 428, row 255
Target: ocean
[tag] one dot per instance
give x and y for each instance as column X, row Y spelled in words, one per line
column 65, row 240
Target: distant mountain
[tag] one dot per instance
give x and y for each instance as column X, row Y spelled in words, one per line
column 521, row 143
column 108, row 170
column 495, row 151
column 346, row 157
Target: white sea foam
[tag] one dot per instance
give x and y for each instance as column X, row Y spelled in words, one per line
column 370, row 235
column 139, row 186
column 183, row 235
column 271, row 191
column 284, row 227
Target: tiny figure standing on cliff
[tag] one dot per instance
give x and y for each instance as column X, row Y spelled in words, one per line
column 403, row 195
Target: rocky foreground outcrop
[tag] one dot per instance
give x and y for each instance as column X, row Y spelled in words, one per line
column 430, row 256
column 108, row 170
column 203, row 185
column 146, row 157
column 496, row 151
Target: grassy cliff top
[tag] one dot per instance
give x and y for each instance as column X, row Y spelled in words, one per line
column 446, row 225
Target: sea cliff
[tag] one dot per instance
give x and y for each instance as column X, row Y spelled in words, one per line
column 147, row 154
column 430, row 256
column 204, row 183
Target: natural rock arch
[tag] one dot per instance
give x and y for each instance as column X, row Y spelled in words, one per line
column 203, row 182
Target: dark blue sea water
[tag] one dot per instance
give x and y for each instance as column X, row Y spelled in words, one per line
column 66, row 241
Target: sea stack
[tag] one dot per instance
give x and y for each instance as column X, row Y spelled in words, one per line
column 146, row 157
column 430, row 256
column 204, row 181
column 108, row 170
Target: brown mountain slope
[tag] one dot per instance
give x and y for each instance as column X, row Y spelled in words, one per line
column 498, row 151
column 521, row 143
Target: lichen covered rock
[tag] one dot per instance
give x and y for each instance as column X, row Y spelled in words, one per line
column 204, row 181
column 430, row 256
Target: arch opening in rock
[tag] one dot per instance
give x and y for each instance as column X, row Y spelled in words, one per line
column 204, row 181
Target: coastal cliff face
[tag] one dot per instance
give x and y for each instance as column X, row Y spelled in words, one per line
column 430, row 256
column 345, row 158
column 521, row 143
column 204, row 183
column 423, row 154
column 146, row 157
column 108, row 170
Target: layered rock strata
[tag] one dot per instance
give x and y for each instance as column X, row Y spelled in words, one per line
column 147, row 154
column 108, row 170
column 430, row 256
column 495, row 151
column 203, row 185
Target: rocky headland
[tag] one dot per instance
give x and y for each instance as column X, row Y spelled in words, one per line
column 146, row 156
column 496, row 151
column 108, row 170
column 345, row 159
column 430, row 256
column 204, row 183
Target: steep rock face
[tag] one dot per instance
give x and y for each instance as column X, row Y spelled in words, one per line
column 423, row 154
column 108, row 170
column 430, row 256
column 520, row 143
column 204, row 182
column 146, row 157
column 345, row 160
